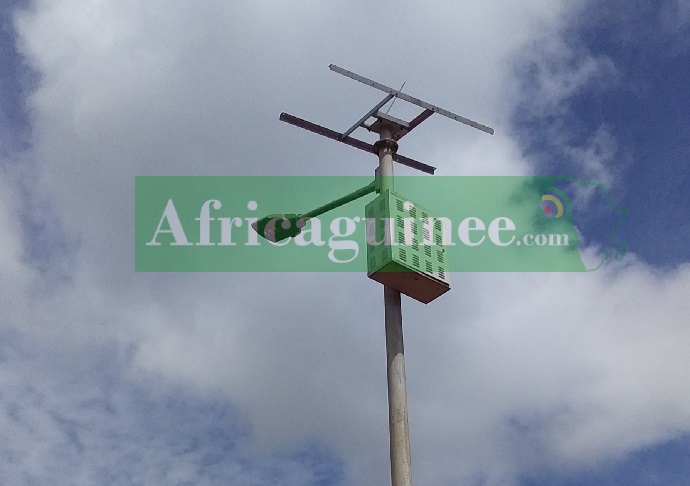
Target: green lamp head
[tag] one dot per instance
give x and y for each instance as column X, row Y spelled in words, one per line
column 278, row 227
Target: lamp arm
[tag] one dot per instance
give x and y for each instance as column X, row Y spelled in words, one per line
column 368, row 189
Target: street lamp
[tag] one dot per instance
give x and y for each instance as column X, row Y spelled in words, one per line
column 426, row 286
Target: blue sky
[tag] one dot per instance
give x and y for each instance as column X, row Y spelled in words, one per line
column 13, row 76
column 643, row 108
column 113, row 377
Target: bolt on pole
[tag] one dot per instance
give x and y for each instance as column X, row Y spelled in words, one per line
column 401, row 467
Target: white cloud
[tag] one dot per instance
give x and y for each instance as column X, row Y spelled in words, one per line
column 508, row 374
column 10, row 240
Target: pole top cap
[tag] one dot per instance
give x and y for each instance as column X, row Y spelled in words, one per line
column 396, row 126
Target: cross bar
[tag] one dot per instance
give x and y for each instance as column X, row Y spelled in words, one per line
column 367, row 116
column 410, row 99
column 352, row 142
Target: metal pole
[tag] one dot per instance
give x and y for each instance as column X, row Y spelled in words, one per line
column 401, row 470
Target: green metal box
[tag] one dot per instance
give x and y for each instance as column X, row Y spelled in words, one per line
column 404, row 248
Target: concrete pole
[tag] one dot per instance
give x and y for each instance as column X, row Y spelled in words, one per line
column 401, row 470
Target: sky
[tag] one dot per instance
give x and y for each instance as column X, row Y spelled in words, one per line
column 109, row 376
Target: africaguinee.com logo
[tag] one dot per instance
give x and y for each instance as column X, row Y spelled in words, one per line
column 433, row 225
